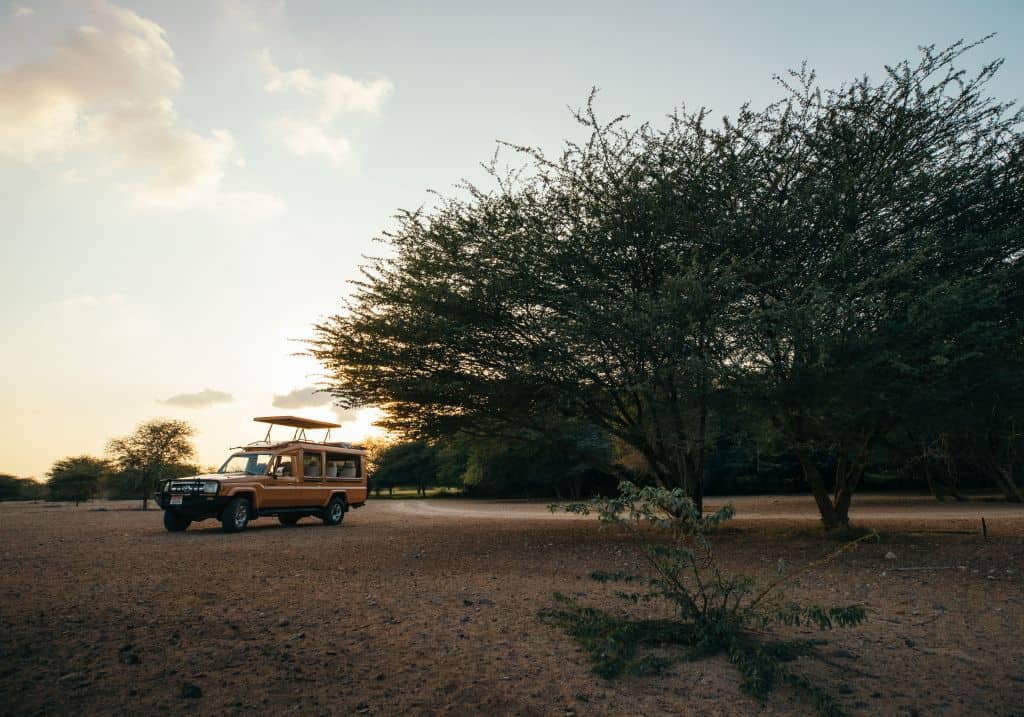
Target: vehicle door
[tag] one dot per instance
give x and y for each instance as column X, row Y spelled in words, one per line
column 345, row 471
column 282, row 481
column 313, row 492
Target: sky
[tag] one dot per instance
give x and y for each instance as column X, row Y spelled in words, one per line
column 187, row 187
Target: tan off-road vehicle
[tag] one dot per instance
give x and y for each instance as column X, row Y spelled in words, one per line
column 290, row 479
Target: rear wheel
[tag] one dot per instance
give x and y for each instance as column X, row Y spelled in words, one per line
column 174, row 522
column 236, row 515
column 335, row 511
column 289, row 519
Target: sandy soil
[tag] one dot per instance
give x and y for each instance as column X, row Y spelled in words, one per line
column 429, row 607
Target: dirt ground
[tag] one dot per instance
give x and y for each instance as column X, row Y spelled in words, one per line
column 430, row 608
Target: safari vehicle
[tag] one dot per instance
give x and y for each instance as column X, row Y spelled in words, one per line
column 289, row 479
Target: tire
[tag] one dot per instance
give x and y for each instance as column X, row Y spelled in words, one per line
column 334, row 513
column 289, row 519
column 236, row 515
column 175, row 523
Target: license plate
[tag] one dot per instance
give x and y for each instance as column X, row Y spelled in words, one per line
column 175, row 500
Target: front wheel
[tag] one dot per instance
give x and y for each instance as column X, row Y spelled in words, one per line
column 235, row 516
column 335, row 512
column 174, row 522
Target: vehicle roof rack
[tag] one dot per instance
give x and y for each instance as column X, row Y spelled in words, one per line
column 300, row 425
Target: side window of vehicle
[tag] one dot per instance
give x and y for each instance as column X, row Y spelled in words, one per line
column 257, row 464
column 342, row 467
column 312, row 469
column 284, row 466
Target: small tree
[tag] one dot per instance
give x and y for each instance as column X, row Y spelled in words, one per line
column 152, row 454
column 709, row 611
column 9, row 487
column 409, row 463
column 77, row 478
column 14, row 488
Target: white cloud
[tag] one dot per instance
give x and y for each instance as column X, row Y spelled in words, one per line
column 251, row 205
column 109, row 86
column 123, row 62
column 256, row 16
column 305, row 138
column 174, row 167
column 311, row 397
column 90, row 300
column 22, row 11
column 332, row 96
column 305, row 397
column 201, row 399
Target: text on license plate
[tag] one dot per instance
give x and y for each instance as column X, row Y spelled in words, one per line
column 175, row 500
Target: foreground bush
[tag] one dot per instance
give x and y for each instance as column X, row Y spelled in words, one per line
column 712, row 612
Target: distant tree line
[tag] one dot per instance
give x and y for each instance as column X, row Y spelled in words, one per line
column 134, row 467
column 829, row 289
column 571, row 466
column 15, row 488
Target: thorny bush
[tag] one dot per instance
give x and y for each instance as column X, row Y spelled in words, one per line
column 714, row 612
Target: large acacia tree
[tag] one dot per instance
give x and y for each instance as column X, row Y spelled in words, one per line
column 884, row 274
column 595, row 286
column 807, row 264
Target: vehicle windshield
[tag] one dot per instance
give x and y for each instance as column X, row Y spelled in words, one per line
column 253, row 464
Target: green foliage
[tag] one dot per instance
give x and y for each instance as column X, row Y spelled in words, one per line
column 154, row 453
column 77, row 478
column 886, row 295
column 406, row 464
column 569, row 461
column 566, row 461
column 123, row 485
column 842, row 269
column 711, row 611
column 14, row 488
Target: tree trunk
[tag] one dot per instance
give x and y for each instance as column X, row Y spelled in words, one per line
column 693, row 483
column 576, row 486
column 1007, row 482
column 934, row 488
column 846, row 485
column 829, row 515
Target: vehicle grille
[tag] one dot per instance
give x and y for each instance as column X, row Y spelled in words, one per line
column 184, row 488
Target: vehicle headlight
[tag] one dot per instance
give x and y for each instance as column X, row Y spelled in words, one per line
column 210, row 486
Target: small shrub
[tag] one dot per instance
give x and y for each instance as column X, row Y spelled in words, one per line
column 713, row 612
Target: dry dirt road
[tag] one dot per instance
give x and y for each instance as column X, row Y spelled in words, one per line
column 430, row 608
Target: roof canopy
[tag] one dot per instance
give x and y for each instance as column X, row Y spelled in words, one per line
column 295, row 422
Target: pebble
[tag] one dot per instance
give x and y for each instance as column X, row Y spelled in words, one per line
column 190, row 691
column 890, row 555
